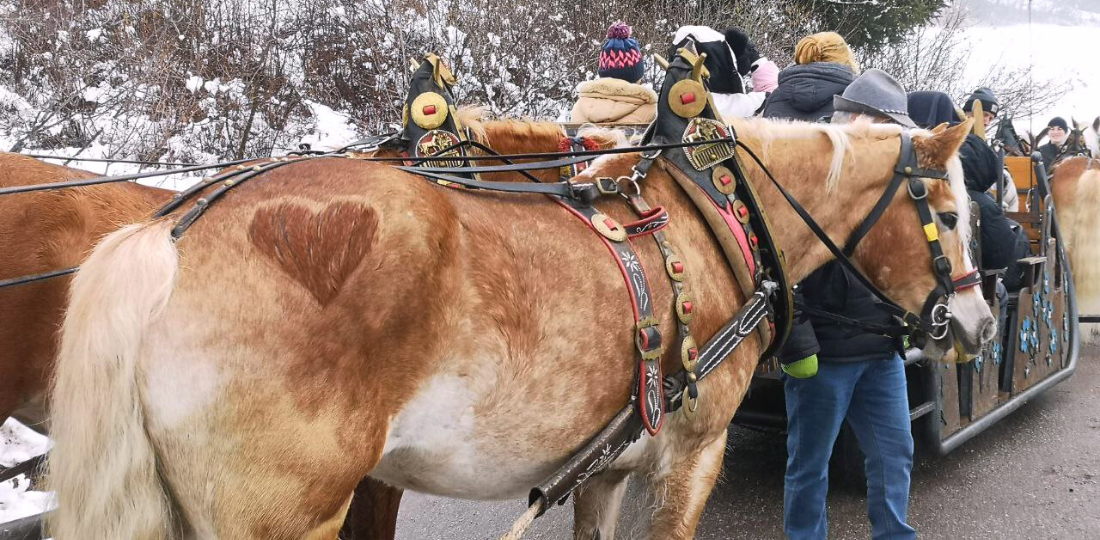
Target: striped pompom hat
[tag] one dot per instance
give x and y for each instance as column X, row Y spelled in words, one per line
column 620, row 56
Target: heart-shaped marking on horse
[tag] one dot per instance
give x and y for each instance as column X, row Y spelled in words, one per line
column 317, row 248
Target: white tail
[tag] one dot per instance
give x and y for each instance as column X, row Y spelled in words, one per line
column 1084, row 250
column 103, row 466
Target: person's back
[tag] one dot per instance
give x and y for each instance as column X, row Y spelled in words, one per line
column 614, row 101
column 616, row 97
column 730, row 56
column 823, row 68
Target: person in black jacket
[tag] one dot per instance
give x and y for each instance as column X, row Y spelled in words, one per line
column 1057, row 132
column 806, row 89
column 1004, row 242
column 860, row 377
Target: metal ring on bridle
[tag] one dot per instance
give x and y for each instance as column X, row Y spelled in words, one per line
column 941, row 321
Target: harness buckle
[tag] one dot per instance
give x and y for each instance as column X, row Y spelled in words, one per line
column 607, row 186
column 635, row 182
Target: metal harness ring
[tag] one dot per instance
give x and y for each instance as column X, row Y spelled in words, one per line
column 940, row 320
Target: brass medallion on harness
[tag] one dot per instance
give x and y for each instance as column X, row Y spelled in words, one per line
column 705, row 156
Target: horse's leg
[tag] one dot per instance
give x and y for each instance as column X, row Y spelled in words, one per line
column 596, row 506
column 373, row 512
column 683, row 488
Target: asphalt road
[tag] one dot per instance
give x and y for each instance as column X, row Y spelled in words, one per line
column 1035, row 475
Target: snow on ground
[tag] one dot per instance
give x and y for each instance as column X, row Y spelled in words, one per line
column 19, row 445
column 333, row 130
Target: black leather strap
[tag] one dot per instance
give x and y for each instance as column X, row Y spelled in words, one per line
column 23, row 280
column 887, row 303
column 512, row 167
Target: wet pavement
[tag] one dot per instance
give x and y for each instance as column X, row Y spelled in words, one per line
column 1034, row 475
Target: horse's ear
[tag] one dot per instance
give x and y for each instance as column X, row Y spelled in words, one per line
column 1042, row 133
column 939, row 129
column 934, row 151
column 1096, row 124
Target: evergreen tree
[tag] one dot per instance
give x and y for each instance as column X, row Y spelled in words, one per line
column 871, row 24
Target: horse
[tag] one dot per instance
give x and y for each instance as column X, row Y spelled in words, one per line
column 1007, row 138
column 1092, row 137
column 40, row 232
column 63, row 227
column 1075, row 187
column 339, row 318
column 1077, row 143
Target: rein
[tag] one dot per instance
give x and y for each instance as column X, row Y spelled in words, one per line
column 935, row 318
column 579, row 191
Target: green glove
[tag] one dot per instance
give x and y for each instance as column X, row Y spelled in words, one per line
column 802, row 369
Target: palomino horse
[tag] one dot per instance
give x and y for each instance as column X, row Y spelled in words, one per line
column 335, row 319
column 1075, row 187
column 55, row 229
column 39, row 232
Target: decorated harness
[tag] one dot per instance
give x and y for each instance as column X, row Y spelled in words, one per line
column 698, row 150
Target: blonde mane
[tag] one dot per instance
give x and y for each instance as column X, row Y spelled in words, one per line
column 769, row 131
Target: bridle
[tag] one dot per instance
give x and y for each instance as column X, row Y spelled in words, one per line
column 935, row 317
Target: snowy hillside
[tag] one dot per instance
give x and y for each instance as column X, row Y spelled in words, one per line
column 1058, row 12
column 1060, row 48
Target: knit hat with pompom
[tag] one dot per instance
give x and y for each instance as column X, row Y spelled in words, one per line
column 620, row 56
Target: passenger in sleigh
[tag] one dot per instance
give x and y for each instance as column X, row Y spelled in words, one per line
column 616, row 97
column 1004, row 241
column 731, row 57
column 1061, row 145
column 824, row 67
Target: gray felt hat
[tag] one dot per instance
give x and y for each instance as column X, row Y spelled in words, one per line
column 875, row 92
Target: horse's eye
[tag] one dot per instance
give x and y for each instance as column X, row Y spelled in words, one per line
column 949, row 220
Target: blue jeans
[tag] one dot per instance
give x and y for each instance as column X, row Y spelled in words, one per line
column 871, row 395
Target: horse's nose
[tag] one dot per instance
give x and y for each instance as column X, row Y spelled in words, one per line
column 989, row 330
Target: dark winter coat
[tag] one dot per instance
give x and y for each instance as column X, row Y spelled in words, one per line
column 806, row 91
column 1049, row 151
column 1003, row 240
column 830, row 288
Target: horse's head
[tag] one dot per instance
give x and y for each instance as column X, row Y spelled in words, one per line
column 912, row 266
column 1012, row 143
column 1076, row 140
column 1092, row 137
